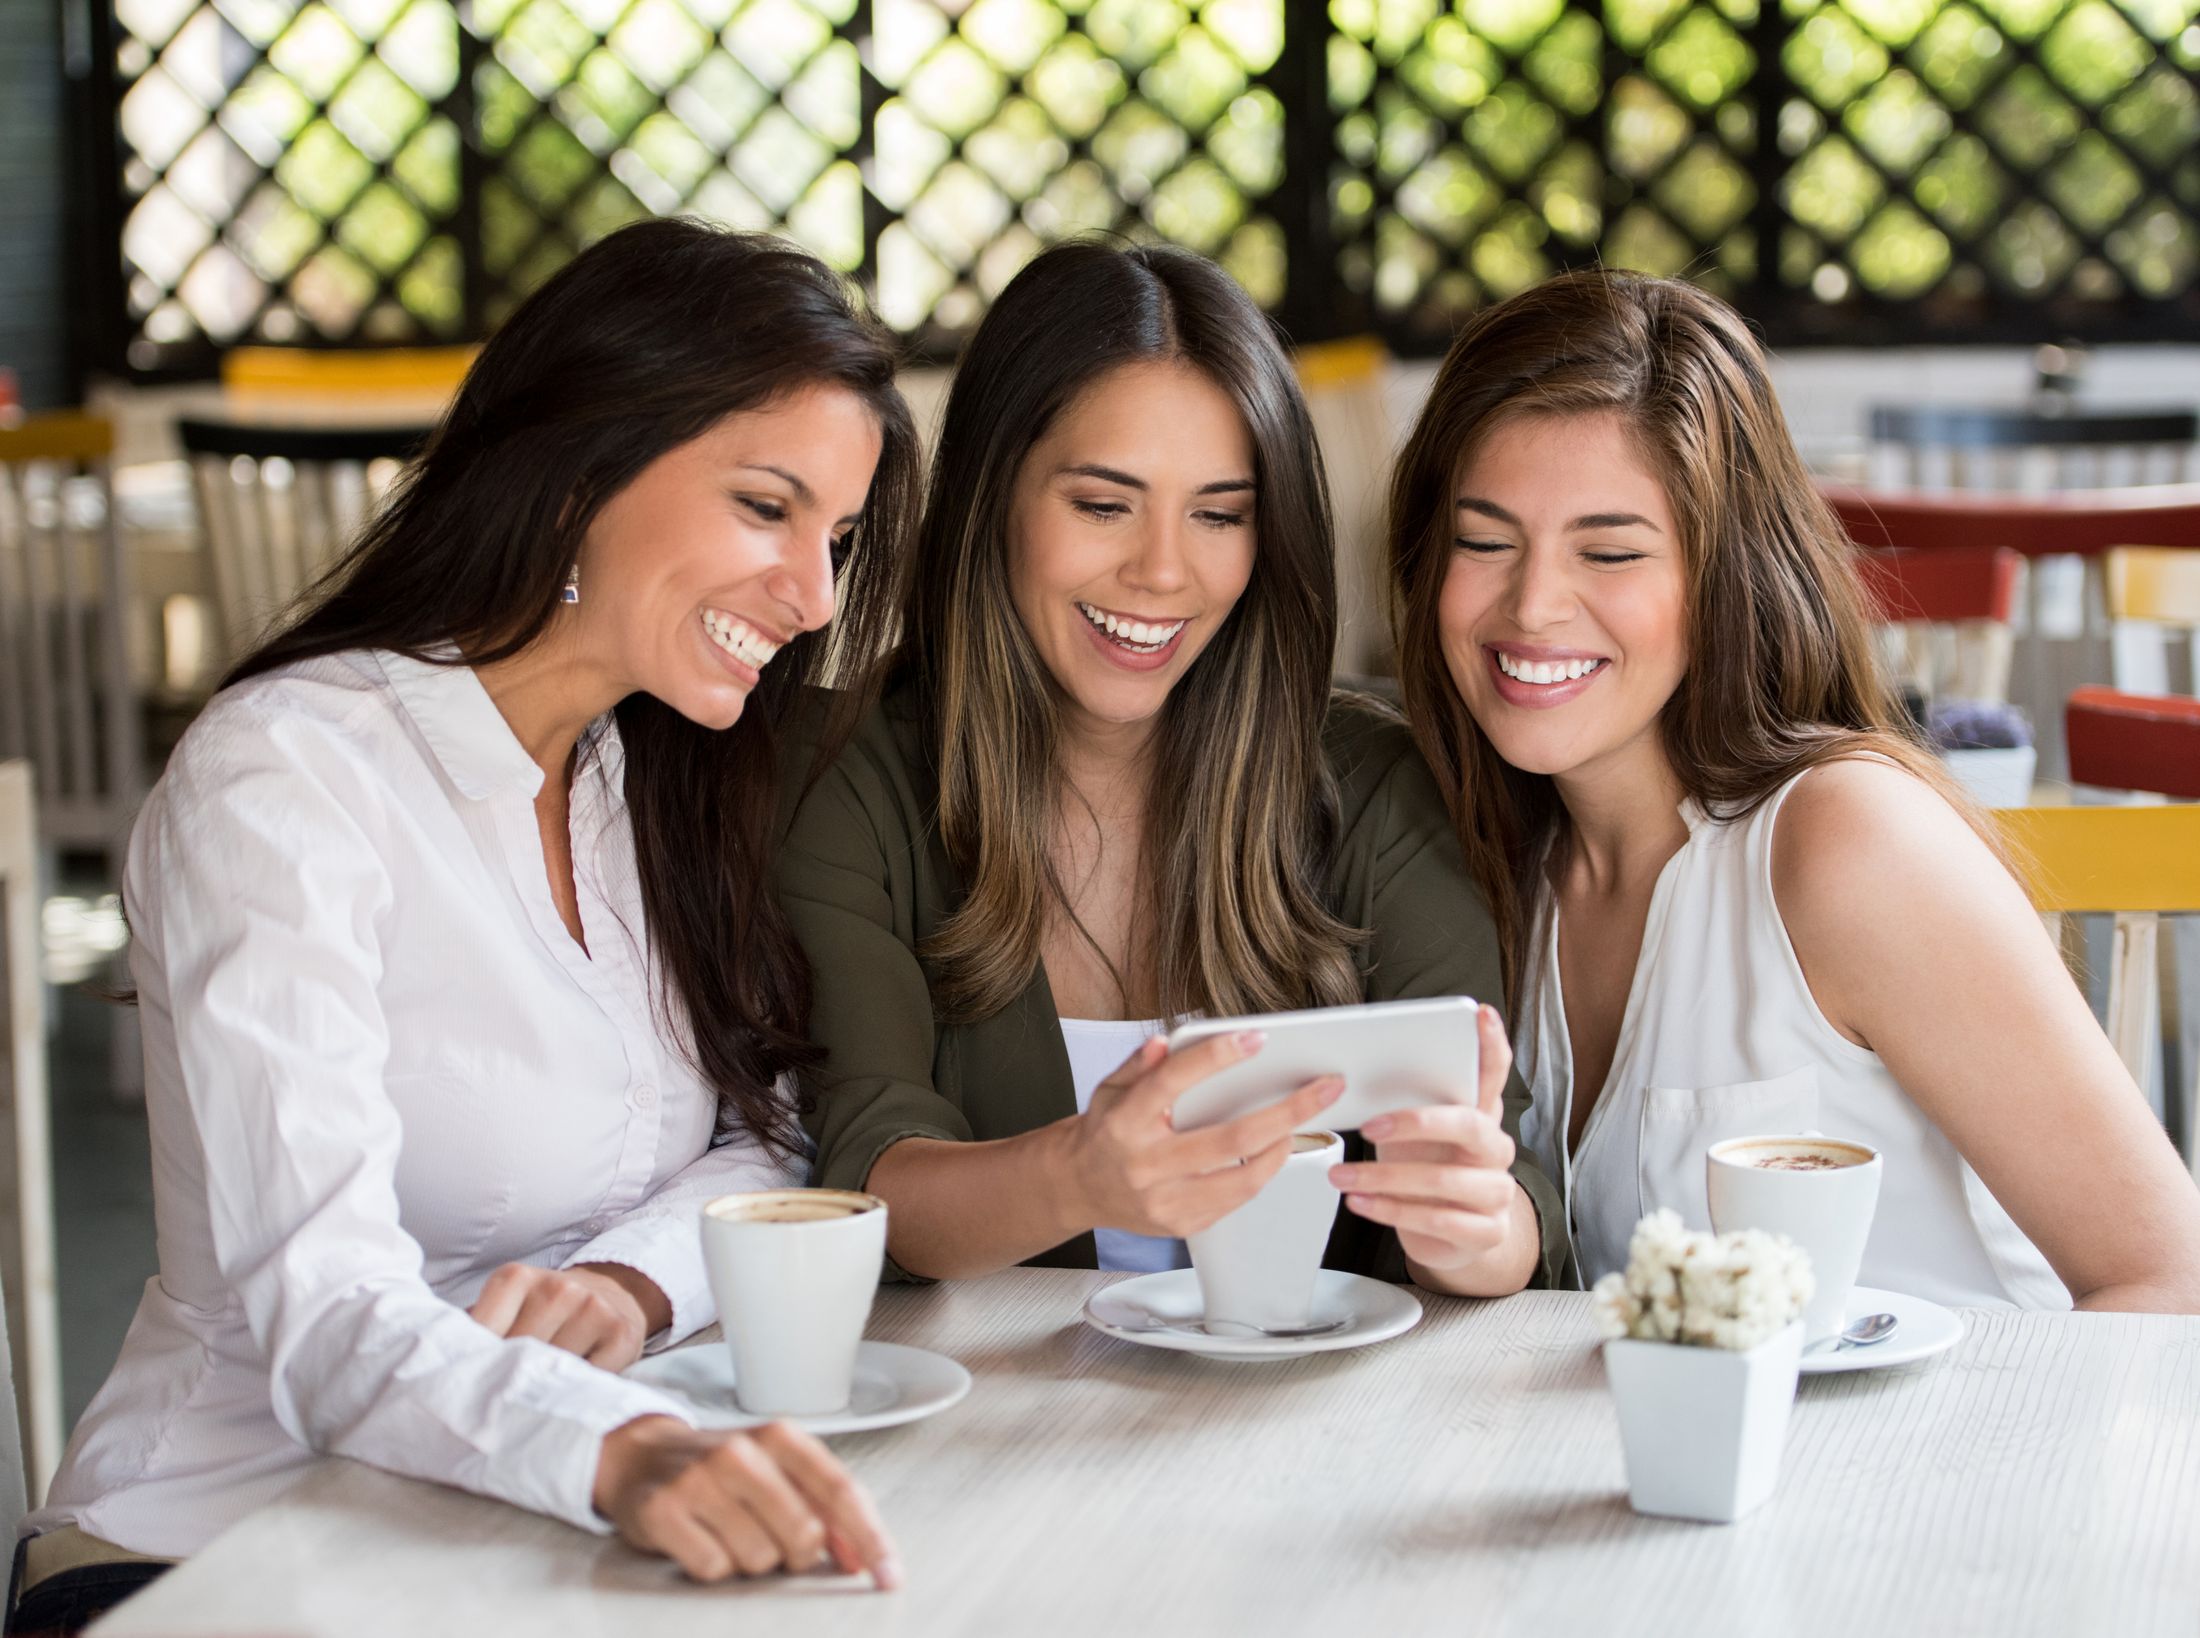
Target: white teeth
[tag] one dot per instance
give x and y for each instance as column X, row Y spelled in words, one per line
column 1136, row 635
column 738, row 638
column 1544, row 673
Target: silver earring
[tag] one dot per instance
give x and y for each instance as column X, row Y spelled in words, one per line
column 572, row 591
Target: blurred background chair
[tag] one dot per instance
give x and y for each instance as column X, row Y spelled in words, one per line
column 1944, row 616
column 2137, row 864
column 373, row 381
column 280, row 502
column 2153, row 595
column 2056, row 649
column 66, row 701
column 2012, row 450
column 1344, row 383
column 28, row 1281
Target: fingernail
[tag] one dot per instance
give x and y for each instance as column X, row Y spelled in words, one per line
column 1249, row 1041
column 886, row 1574
column 1377, row 1128
column 1336, row 1090
column 1343, row 1177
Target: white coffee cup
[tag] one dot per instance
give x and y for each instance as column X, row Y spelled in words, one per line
column 794, row 1272
column 1256, row 1267
column 1822, row 1199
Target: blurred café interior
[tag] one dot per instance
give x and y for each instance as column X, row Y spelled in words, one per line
column 247, row 249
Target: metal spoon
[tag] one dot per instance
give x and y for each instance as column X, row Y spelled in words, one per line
column 1861, row 1333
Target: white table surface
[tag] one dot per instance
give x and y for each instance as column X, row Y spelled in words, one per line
column 2044, row 1477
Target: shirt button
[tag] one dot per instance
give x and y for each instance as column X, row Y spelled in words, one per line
column 644, row 1096
column 595, row 1225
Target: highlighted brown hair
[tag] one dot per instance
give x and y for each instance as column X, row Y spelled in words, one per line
column 1783, row 673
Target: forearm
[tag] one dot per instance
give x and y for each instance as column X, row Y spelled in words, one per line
column 957, row 1210
column 1500, row 1271
column 2136, row 1298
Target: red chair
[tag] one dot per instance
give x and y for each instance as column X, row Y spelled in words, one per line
column 2079, row 522
column 1947, row 613
column 2134, row 742
column 2082, row 523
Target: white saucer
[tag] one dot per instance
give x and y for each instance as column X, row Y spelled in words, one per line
column 1926, row 1329
column 1163, row 1311
column 893, row 1385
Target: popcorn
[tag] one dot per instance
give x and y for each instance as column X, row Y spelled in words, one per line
column 1712, row 1291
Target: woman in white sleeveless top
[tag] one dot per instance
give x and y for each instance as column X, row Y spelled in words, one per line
column 1732, row 896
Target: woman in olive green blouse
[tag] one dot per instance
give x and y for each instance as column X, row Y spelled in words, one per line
column 1107, row 787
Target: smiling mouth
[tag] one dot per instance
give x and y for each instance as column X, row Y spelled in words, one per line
column 1547, row 673
column 1138, row 636
column 738, row 638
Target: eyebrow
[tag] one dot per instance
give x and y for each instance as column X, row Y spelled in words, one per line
column 1109, row 474
column 802, row 491
column 1588, row 520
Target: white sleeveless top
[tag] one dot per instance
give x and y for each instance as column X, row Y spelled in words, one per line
column 1097, row 1048
column 1722, row 1038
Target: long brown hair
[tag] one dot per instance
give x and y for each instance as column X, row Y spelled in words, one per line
column 1241, row 811
column 638, row 345
column 1783, row 673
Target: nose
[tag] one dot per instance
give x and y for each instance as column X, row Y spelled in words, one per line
column 1158, row 562
column 1540, row 595
column 803, row 583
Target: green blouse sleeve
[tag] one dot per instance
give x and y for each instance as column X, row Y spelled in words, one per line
column 848, row 877
column 1430, row 927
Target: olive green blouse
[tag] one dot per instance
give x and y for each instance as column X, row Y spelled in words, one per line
column 866, row 880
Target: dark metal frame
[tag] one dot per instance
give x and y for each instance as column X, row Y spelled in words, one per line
column 1316, row 303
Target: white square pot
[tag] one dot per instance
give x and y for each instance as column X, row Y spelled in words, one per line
column 1997, row 778
column 1703, row 1427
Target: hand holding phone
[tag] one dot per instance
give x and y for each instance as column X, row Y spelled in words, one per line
column 1393, row 1056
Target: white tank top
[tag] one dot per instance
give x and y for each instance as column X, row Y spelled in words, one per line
column 1097, row 1048
column 1722, row 1038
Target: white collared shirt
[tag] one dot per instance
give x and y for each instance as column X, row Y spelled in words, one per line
column 378, row 1067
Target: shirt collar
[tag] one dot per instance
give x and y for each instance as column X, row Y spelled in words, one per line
column 478, row 751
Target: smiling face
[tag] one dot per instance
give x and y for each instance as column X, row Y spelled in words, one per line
column 1131, row 537
column 721, row 552
column 1564, row 607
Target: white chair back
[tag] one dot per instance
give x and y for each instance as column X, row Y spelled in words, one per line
column 66, row 703
column 28, row 1282
column 280, row 505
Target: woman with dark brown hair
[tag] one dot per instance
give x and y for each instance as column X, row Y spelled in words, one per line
column 463, row 981
column 1108, row 787
column 1733, row 896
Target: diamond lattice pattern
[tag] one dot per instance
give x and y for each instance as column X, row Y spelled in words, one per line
column 403, row 170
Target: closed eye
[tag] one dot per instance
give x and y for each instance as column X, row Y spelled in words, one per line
column 1614, row 558
column 1098, row 508
column 763, row 508
column 1221, row 520
column 1482, row 546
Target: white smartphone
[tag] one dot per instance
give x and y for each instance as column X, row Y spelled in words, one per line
column 1392, row 1054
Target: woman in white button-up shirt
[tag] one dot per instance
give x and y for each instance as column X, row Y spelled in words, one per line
column 462, row 983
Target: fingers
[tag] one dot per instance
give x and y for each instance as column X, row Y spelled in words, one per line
column 760, row 1515
column 666, row 1525
column 1476, row 1136
column 550, row 1303
column 855, row 1532
column 1471, row 1188
column 1497, row 1061
column 501, row 1296
column 1225, row 1145
column 1168, row 1080
column 1462, row 1231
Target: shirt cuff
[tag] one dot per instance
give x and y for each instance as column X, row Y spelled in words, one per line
column 668, row 1252
column 565, row 1447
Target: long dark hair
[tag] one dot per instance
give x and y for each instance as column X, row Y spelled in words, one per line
column 640, row 344
column 1782, row 673
column 1241, row 808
